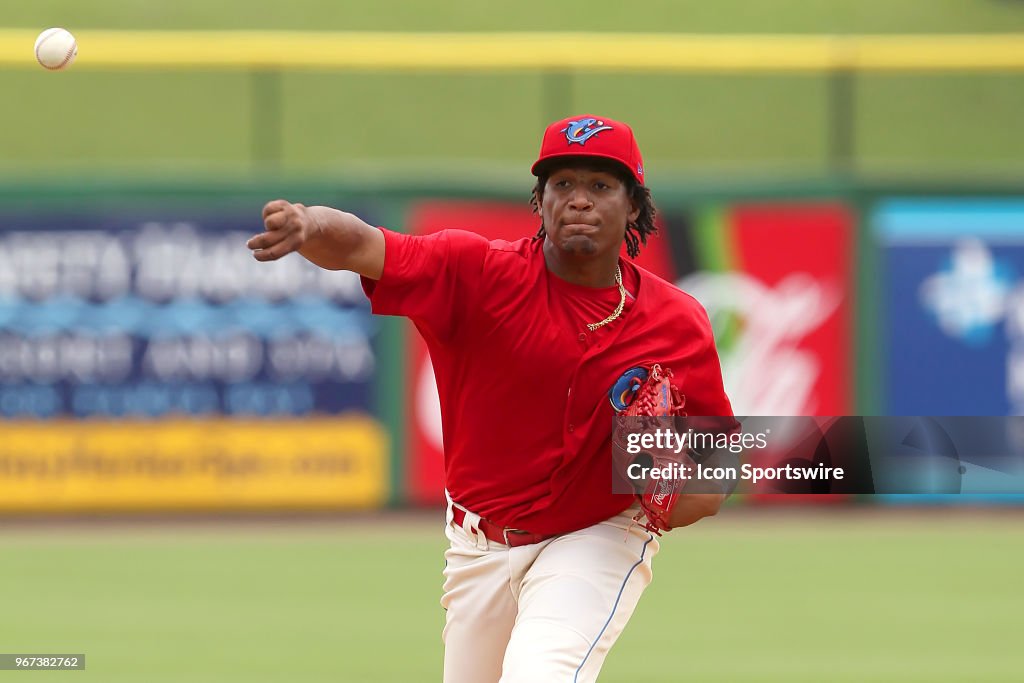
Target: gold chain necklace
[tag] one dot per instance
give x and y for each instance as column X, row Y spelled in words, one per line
column 618, row 309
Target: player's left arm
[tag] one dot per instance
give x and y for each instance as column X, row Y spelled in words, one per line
column 693, row 507
column 705, row 396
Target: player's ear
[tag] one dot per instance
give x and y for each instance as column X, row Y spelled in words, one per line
column 634, row 208
column 538, row 195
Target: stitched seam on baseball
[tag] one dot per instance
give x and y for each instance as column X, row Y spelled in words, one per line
column 50, row 34
column 67, row 57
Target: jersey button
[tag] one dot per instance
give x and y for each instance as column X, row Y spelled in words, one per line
column 572, row 428
column 582, row 337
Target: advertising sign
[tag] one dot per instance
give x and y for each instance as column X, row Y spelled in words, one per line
column 774, row 278
column 780, row 301
column 144, row 317
column 954, row 306
column 177, row 464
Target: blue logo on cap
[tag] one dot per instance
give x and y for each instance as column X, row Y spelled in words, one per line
column 582, row 130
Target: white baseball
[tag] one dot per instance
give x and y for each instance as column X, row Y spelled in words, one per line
column 56, row 48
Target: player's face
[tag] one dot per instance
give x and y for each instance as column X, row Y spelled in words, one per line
column 586, row 210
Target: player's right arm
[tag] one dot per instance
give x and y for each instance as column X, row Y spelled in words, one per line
column 329, row 238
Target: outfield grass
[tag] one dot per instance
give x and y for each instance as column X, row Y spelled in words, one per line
column 898, row 596
column 755, row 16
column 175, row 122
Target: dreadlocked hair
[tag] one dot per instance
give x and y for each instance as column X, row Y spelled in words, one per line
column 637, row 231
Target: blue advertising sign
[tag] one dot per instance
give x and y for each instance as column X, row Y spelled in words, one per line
column 953, row 322
column 151, row 315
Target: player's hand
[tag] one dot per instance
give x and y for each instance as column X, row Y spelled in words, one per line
column 693, row 507
column 287, row 227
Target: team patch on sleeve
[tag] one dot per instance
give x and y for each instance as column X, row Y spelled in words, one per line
column 624, row 390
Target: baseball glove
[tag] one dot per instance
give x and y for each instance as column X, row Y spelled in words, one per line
column 654, row 397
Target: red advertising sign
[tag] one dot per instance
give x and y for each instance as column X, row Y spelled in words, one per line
column 780, row 302
column 793, row 357
column 792, row 279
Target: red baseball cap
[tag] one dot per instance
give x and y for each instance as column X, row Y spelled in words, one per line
column 591, row 136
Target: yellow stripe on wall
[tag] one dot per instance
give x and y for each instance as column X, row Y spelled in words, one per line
column 525, row 51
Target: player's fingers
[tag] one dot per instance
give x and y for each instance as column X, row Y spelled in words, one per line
column 279, row 220
column 274, row 206
column 289, row 218
column 282, row 248
column 265, row 240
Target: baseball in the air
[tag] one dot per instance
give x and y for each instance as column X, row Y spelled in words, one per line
column 56, row 48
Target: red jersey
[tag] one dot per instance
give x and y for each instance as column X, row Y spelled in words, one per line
column 524, row 386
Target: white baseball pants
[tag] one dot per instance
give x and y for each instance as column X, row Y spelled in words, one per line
column 541, row 613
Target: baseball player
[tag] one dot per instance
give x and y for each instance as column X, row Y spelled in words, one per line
column 536, row 345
